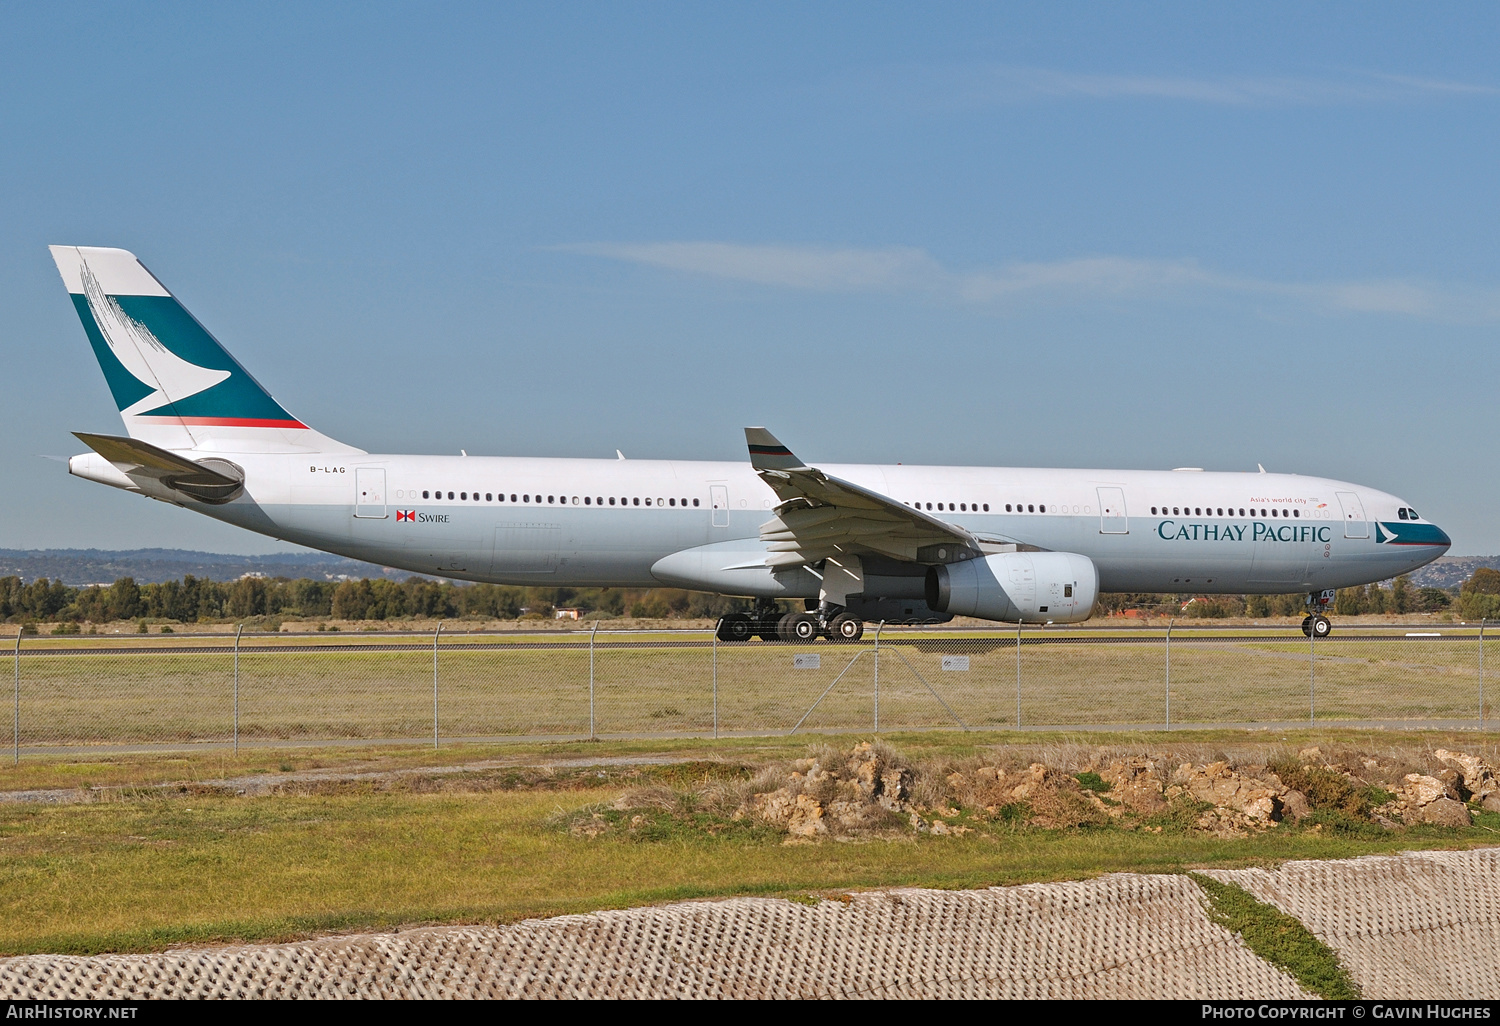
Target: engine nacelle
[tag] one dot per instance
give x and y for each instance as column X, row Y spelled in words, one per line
column 1030, row 587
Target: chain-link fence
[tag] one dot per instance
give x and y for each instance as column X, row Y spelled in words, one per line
column 137, row 692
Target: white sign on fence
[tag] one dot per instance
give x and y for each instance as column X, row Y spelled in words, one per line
column 807, row 662
column 955, row 662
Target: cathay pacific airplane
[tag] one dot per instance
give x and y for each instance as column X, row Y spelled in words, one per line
column 854, row 542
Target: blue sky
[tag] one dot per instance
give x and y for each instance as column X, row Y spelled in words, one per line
column 1059, row 235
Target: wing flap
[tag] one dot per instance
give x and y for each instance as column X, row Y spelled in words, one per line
column 820, row 515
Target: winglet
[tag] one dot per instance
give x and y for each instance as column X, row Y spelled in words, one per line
column 767, row 453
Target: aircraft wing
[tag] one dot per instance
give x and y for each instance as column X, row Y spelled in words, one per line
column 820, row 516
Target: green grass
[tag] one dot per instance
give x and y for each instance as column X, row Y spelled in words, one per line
column 1278, row 938
column 146, row 870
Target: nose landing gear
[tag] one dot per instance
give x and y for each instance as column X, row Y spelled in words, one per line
column 1315, row 624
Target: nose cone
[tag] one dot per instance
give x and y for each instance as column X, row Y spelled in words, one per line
column 1442, row 539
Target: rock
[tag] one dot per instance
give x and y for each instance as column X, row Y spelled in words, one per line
column 1134, row 786
column 1446, row 812
column 893, row 789
column 1479, row 777
column 806, row 819
column 1030, row 781
column 1454, row 782
column 775, row 807
column 1245, row 801
column 1311, row 755
column 1294, row 804
column 1423, row 790
column 1491, row 802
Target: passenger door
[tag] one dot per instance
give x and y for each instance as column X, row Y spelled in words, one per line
column 718, row 497
column 1355, row 524
column 369, row 493
column 1112, row 518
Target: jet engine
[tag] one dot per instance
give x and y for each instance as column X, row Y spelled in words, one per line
column 1031, row 587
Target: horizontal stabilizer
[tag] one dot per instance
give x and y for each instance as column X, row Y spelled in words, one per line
column 132, row 452
column 211, row 480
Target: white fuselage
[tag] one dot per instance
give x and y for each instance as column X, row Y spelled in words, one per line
column 638, row 523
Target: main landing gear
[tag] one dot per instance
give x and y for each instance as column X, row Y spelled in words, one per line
column 1315, row 624
column 769, row 624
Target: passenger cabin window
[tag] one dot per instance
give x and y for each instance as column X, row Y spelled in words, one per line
column 424, row 494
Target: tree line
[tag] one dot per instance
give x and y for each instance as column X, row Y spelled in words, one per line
column 193, row 600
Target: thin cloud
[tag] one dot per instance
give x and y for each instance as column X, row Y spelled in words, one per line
column 895, row 268
column 1010, row 85
column 908, row 270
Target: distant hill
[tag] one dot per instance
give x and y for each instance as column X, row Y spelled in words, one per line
column 100, row 566
column 1451, row 571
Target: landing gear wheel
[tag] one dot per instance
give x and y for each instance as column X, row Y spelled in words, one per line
column 844, row 627
column 802, row 627
column 735, row 627
column 1307, row 625
column 784, row 628
column 1321, row 627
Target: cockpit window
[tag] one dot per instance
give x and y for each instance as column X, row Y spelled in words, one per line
column 1401, row 513
column 1412, row 514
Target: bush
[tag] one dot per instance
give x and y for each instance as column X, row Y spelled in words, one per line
column 1324, row 789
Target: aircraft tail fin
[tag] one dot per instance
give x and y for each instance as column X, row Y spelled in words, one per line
column 176, row 387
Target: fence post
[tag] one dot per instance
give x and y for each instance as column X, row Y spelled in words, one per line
column 716, row 685
column 1018, row 674
column 591, row 678
column 1169, row 671
column 435, row 683
column 878, row 628
column 237, row 631
column 1312, row 675
column 1481, row 671
column 16, row 725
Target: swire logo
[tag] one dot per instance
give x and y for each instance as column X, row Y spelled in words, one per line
column 406, row 514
